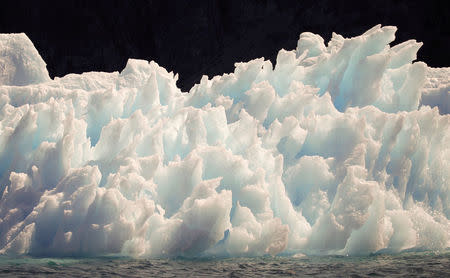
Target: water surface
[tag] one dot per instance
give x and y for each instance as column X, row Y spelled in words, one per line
column 423, row 264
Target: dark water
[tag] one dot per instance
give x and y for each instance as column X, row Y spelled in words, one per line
column 406, row 265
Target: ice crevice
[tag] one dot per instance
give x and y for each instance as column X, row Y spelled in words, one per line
column 340, row 148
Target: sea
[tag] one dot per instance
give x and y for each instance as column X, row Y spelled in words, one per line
column 410, row 264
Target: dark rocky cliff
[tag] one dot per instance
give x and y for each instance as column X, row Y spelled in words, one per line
column 206, row 37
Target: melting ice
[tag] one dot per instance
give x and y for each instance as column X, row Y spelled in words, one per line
column 341, row 148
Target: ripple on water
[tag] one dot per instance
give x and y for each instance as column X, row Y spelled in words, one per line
column 409, row 264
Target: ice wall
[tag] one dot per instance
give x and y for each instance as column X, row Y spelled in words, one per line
column 335, row 150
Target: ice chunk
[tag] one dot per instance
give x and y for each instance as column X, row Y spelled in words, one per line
column 20, row 63
column 335, row 150
column 436, row 92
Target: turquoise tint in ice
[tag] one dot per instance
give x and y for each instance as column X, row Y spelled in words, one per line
column 341, row 148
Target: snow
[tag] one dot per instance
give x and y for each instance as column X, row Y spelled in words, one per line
column 341, row 148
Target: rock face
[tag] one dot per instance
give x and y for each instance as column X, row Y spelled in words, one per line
column 335, row 150
column 194, row 38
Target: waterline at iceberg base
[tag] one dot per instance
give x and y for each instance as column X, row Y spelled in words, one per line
column 341, row 149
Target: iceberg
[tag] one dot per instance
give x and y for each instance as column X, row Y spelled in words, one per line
column 341, row 148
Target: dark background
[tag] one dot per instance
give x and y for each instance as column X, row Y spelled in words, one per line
column 193, row 38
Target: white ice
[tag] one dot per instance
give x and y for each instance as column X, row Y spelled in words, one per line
column 341, row 148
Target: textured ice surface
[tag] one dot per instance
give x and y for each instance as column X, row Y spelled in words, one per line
column 335, row 150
